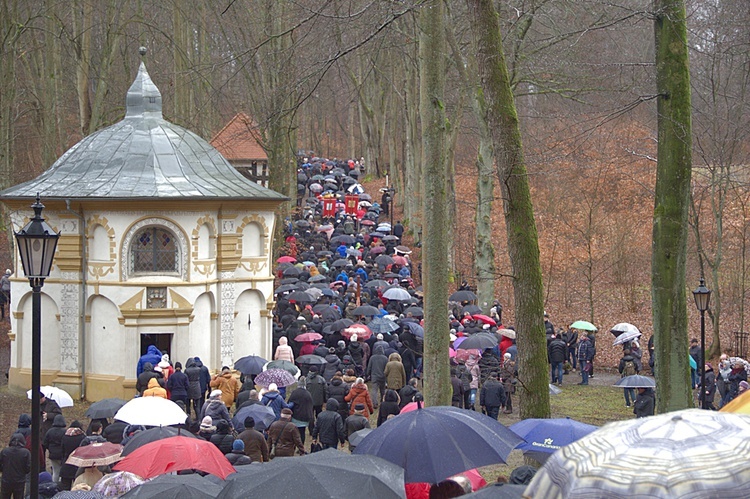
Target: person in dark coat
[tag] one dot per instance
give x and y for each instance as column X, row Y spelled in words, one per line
column 73, row 437
column 255, row 443
column 114, row 432
column 571, row 340
column 223, row 438
column 15, row 464
column 47, row 487
column 178, row 385
column 585, row 355
column 318, row 388
column 329, row 427
column 557, row 350
column 148, row 372
column 408, row 359
column 273, row 399
column 492, row 396
column 389, row 406
column 644, row 403
column 356, row 422
column 283, row 438
column 48, row 409
column 152, row 356
column 237, row 457
column 710, row 391
column 457, row 399
column 193, row 373
column 376, row 374
column 333, row 364
column 736, row 375
column 302, row 410
column 215, row 408
column 408, row 392
column 488, row 364
column 205, row 378
column 338, row 390
column 248, row 398
column 52, row 443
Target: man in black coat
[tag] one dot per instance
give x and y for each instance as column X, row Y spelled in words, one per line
column 178, row 385
column 376, row 375
column 329, row 427
column 492, row 396
column 318, row 388
column 557, row 350
column 15, row 464
column 148, row 372
column 571, row 339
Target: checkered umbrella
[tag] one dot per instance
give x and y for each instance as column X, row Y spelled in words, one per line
column 690, row 453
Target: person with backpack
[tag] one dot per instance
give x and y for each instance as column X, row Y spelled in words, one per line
column 628, row 367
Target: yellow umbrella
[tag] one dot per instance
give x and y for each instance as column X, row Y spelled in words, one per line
column 740, row 405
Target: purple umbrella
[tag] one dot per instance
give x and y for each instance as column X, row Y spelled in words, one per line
column 279, row 376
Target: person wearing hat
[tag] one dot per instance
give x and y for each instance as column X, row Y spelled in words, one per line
column 492, row 396
column 644, row 403
column 238, row 457
column 47, row 486
column 329, row 427
column 4, row 292
column 15, row 464
column 215, row 408
column 283, row 437
column 228, row 384
column 256, row 447
column 223, row 438
column 359, row 394
column 207, row 428
column 284, row 351
column 356, row 422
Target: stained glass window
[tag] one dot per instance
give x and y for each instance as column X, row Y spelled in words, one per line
column 154, row 250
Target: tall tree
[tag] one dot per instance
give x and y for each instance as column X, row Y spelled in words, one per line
column 523, row 245
column 435, row 252
column 674, row 163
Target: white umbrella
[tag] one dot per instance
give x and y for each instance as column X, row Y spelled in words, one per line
column 508, row 333
column 60, row 396
column 626, row 332
column 396, row 293
column 626, row 338
column 151, row 411
column 689, row 453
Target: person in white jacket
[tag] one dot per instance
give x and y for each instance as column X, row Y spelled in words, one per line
column 284, row 351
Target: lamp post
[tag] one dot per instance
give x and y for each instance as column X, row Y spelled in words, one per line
column 702, row 297
column 36, row 247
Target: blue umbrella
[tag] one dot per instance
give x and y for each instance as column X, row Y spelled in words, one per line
column 414, row 329
column 263, row 416
column 434, row 443
column 252, row 364
column 544, row 436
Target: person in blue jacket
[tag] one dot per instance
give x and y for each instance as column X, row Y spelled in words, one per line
column 152, row 355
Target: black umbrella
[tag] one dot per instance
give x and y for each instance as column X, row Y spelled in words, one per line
column 329, row 473
column 479, row 341
column 323, row 254
column 415, row 311
column 341, row 262
column 367, row 310
column 191, row 486
column 499, row 491
column 472, row 309
column 376, row 283
column 384, row 260
column 320, row 307
column 104, row 409
column 311, row 360
column 318, row 278
column 343, row 238
column 462, row 295
column 359, row 435
column 160, row 432
column 341, row 324
column 290, row 280
column 291, row 272
column 285, row 288
column 330, row 314
column 382, row 325
column 303, row 224
column 252, row 364
column 300, row 296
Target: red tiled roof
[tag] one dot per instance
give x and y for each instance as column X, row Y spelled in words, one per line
column 238, row 140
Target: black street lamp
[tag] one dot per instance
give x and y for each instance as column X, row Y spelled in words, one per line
column 702, row 297
column 36, row 246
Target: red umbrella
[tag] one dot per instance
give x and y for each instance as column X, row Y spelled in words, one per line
column 312, row 336
column 95, row 454
column 363, row 332
column 377, row 250
column 176, row 454
column 286, row 259
column 485, row 319
column 400, row 260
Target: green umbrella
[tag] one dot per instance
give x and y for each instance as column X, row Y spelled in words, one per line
column 586, row 326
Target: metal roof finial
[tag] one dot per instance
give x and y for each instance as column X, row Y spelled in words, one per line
column 142, row 51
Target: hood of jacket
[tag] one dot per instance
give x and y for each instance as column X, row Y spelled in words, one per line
column 190, row 363
column 24, row 421
column 59, row 421
column 283, row 340
column 152, row 350
column 198, row 362
column 394, row 356
column 17, row 440
column 270, row 395
column 391, row 396
column 148, row 366
column 153, row 383
column 332, row 405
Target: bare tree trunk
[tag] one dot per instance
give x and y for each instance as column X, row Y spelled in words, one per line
column 82, row 14
column 437, row 385
column 523, row 246
column 673, row 174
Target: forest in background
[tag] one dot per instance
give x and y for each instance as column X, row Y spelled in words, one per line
column 341, row 78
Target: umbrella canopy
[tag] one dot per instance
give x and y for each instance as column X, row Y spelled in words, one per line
column 356, row 438
column 106, row 408
column 60, row 396
column 376, row 283
column 499, row 491
column 636, row 381
column 284, row 288
column 435, row 443
column 341, row 262
column 176, row 454
column 263, row 416
column 462, row 295
column 415, row 311
column 381, row 325
column 624, row 327
column 300, row 296
column 586, row 326
column 363, row 332
column 286, row 259
column 152, row 435
column 404, row 250
column 341, row 324
column 414, row 329
column 508, row 333
column 308, row 337
column 400, row 260
column 627, row 337
column 329, row 473
column 311, row 360
column 283, row 365
column 118, row 483
column 396, row 293
column 95, row 454
column 479, row 341
column 291, row 272
column 251, row 364
column 472, row 309
column 485, row 319
column 553, row 390
column 279, row 376
column 318, row 278
column 343, row 239
column 151, row 411
column 544, row 436
column 740, row 404
column 377, row 249
column 79, row 494
column 191, row 486
column 384, row 260
column 367, row 310
column 690, row 453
